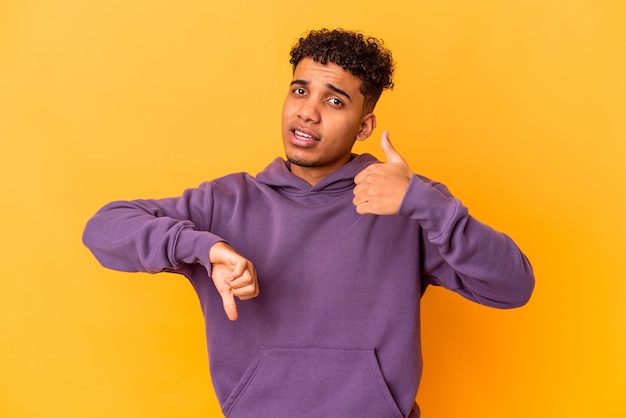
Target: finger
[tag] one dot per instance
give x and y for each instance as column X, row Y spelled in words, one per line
column 360, row 176
column 230, row 307
column 390, row 152
column 360, row 196
column 248, row 278
column 247, row 292
column 363, row 208
column 239, row 267
column 358, row 189
column 357, row 200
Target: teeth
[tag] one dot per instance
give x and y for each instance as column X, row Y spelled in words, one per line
column 303, row 135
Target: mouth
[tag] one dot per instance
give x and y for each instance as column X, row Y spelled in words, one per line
column 303, row 136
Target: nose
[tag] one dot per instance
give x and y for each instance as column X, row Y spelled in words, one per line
column 309, row 110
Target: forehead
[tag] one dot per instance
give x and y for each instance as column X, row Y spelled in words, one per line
column 330, row 73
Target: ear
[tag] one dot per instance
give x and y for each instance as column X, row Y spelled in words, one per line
column 368, row 124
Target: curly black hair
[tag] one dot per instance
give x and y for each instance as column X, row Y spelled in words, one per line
column 365, row 57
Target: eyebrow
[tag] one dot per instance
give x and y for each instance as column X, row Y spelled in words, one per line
column 328, row 86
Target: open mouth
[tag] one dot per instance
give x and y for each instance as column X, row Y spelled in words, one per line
column 303, row 136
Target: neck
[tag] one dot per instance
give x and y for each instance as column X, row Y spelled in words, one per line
column 311, row 175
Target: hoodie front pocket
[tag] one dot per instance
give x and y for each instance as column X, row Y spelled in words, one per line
column 312, row 382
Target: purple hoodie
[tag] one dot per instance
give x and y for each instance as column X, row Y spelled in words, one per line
column 335, row 331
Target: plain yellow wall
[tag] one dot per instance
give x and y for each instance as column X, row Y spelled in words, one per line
column 518, row 106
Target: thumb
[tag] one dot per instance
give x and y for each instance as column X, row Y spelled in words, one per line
column 390, row 152
column 228, row 301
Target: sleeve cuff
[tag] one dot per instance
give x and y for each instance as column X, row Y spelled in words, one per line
column 431, row 205
column 193, row 246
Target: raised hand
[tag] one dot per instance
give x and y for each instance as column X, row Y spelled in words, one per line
column 233, row 275
column 380, row 188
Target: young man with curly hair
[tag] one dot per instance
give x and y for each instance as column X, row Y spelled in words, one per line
column 328, row 252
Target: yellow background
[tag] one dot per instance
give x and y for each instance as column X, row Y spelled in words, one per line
column 518, row 106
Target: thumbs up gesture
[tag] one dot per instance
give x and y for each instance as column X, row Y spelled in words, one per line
column 380, row 188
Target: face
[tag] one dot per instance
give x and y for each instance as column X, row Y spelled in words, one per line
column 322, row 118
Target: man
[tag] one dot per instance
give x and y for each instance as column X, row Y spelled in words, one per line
column 310, row 274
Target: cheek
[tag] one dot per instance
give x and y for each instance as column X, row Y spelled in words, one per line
column 287, row 110
column 348, row 128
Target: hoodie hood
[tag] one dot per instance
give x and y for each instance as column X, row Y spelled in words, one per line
column 279, row 177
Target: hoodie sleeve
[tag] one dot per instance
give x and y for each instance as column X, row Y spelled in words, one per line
column 153, row 235
column 463, row 254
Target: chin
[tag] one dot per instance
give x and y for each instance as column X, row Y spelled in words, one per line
column 300, row 161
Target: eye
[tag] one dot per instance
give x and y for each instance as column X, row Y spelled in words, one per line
column 336, row 102
column 299, row 91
